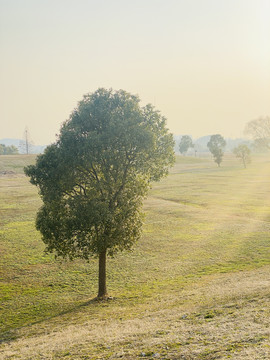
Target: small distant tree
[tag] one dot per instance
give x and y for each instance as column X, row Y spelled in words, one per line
column 216, row 146
column 93, row 179
column 8, row 150
column 11, row 150
column 185, row 144
column 259, row 129
column 2, row 149
column 242, row 152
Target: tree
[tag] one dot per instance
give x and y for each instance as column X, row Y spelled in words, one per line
column 243, row 152
column 93, row 179
column 185, row 144
column 259, row 129
column 8, row 150
column 259, row 145
column 216, row 146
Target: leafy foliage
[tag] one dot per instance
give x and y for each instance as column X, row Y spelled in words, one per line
column 8, row 150
column 185, row 144
column 93, row 179
column 216, row 146
column 243, row 152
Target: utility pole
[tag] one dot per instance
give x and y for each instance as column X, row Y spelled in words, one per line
column 26, row 143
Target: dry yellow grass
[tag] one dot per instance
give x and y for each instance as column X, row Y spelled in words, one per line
column 220, row 316
column 195, row 287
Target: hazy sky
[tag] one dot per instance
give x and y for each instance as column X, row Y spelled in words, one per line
column 205, row 64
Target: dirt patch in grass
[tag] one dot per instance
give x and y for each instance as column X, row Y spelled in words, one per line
column 7, row 173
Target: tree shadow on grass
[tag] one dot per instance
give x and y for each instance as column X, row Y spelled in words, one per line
column 11, row 335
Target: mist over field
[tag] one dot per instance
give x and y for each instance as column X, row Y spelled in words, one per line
column 204, row 65
column 135, row 180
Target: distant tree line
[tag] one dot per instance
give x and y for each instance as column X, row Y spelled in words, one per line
column 258, row 129
column 8, row 150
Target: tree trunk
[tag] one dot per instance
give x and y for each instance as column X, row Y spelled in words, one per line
column 102, row 290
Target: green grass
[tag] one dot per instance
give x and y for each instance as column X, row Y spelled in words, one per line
column 204, row 225
column 15, row 163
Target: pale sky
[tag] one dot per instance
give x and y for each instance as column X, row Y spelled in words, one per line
column 205, row 64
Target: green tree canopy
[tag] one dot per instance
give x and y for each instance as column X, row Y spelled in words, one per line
column 185, row 144
column 93, row 179
column 242, row 152
column 216, row 146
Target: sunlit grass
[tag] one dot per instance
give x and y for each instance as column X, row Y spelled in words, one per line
column 205, row 244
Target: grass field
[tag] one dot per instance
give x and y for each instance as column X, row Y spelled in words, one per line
column 196, row 286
